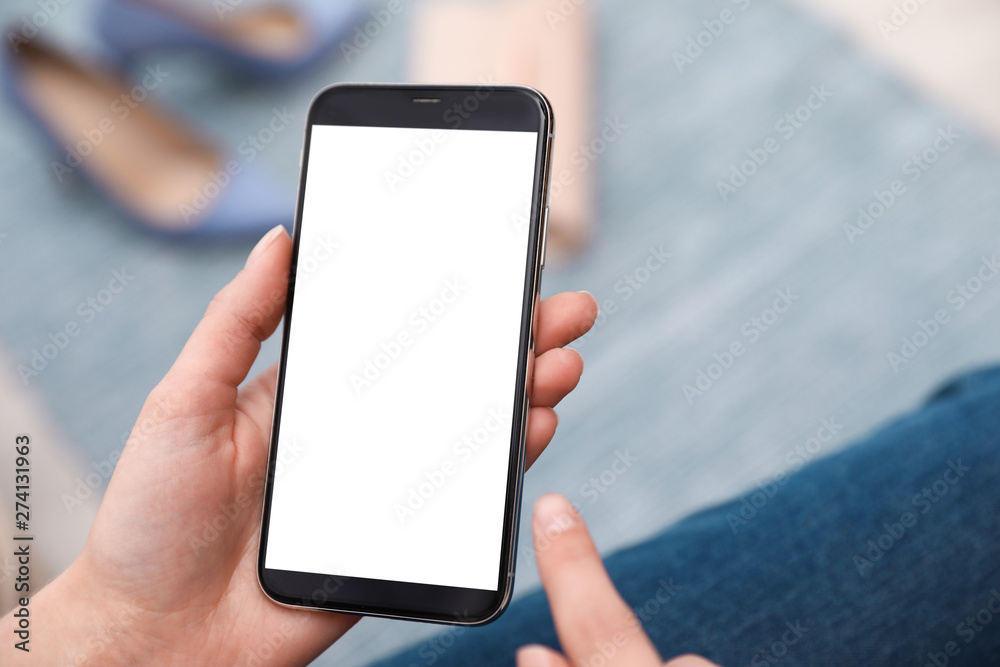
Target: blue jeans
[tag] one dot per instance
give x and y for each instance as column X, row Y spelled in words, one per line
column 887, row 552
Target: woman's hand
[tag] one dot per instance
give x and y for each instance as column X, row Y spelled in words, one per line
column 594, row 624
column 168, row 574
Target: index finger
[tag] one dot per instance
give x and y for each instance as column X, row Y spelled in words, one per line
column 591, row 618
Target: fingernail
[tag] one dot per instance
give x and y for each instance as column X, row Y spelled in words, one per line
column 262, row 245
column 534, row 655
column 554, row 514
column 583, row 291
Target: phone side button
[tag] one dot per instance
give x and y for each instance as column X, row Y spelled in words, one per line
column 545, row 235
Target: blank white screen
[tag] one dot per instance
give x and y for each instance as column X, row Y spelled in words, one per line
column 411, row 269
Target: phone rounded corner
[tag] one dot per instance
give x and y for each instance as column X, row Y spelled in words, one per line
column 261, row 579
column 324, row 93
column 265, row 585
column 495, row 610
column 492, row 613
column 541, row 101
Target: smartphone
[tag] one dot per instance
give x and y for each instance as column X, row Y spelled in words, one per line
column 397, row 447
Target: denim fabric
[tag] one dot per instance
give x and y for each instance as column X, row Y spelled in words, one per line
column 885, row 553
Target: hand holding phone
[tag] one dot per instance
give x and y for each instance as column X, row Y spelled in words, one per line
column 170, row 563
column 397, row 447
column 172, row 555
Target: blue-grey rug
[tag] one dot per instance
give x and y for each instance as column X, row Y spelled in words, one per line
column 818, row 214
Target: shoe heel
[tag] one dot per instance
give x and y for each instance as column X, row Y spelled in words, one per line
column 130, row 30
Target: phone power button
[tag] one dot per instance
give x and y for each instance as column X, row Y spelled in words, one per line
column 545, row 235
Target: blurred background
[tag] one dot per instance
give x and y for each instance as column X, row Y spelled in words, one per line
column 822, row 174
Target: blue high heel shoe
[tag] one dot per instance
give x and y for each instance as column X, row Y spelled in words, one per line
column 155, row 171
column 265, row 42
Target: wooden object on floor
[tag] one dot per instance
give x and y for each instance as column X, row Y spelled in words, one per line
column 545, row 44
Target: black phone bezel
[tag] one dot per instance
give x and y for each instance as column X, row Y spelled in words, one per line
column 482, row 107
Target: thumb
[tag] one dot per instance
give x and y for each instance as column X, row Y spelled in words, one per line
column 690, row 661
column 223, row 347
column 536, row 655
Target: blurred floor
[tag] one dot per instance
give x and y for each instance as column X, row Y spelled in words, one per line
column 949, row 49
column 681, row 128
column 64, row 490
